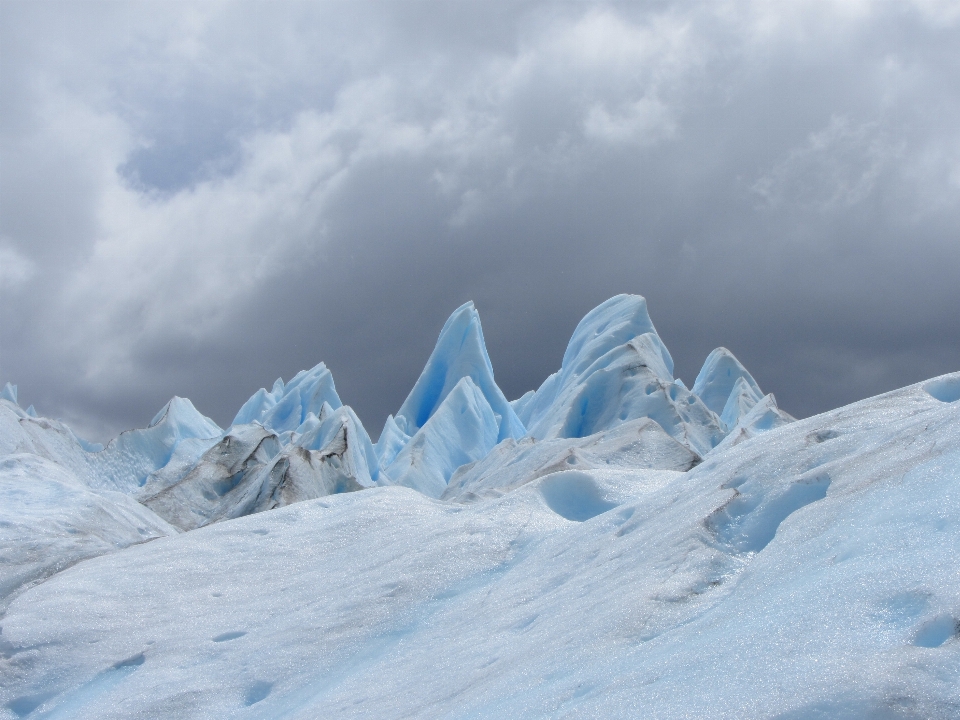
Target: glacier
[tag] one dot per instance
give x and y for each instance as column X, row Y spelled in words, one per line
column 610, row 544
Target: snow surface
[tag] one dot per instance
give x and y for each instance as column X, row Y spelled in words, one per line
column 49, row 520
column 637, row 445
column 609, row 545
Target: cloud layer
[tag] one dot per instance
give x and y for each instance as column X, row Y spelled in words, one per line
column 198, row 198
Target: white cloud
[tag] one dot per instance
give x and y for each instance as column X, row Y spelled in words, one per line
column 645, row 122
column 838, row 166
column 15, row 269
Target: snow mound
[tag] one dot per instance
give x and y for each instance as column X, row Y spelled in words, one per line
column 49, row 520
column 945, row 389
column 636, row 445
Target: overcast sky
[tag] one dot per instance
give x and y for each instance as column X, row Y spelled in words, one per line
column 198, row 198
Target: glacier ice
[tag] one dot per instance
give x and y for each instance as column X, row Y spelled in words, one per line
column 460, row 353
column 636, row 445
column 717, row 379
column 617, row 369
column 462, row 429
column 286, row 406
column 806, row 572
column 612, row 544
column 9, row 393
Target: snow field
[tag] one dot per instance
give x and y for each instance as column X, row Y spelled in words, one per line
column 609, row 545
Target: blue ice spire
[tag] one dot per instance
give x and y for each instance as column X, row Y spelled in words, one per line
column 287, row 406
column 718, row 379
column 459, row 353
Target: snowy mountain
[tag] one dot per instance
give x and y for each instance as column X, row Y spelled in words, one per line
column 611, row 544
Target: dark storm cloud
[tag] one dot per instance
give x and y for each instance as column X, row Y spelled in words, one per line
column 197, row 199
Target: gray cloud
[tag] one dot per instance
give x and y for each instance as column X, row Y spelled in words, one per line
column 199, row 198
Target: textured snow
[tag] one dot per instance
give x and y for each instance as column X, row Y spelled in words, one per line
column 637, row 445
column 808, row 572
column 611, row 545
column 50, row 520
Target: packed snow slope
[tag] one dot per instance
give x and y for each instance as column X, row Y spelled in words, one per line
column 609, row 545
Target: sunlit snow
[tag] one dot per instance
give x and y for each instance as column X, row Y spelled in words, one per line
column 610, row 545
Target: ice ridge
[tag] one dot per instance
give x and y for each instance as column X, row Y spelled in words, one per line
column 615, row 371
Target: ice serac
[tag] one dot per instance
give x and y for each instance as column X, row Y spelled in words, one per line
column 464, row 428
column 249, row 471
column 742, row 398
column 718, row 378
column 762, row 417
column 391, row 442
column 522, row 404
column 255, row 408
column 286, row 406
column 344, row 446
column 9, row 393
column 617, row 369
column 605, row 328
column 206, row 490
column 460, row 353
column 130, row 458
